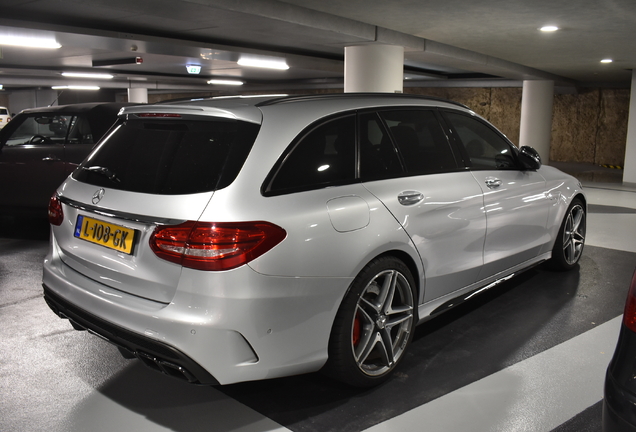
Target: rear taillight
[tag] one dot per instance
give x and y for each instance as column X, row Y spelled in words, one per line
column 629, row 318
column 56, row 214
column 215, row 245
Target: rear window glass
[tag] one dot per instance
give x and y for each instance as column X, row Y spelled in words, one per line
column 3, row 111
column 169, row 157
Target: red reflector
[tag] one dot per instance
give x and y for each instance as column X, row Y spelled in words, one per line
column 56, row 214
column 629, row 318
column 215, row 245
column 158, row 115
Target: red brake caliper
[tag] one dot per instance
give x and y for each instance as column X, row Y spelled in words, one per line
column 355, row 336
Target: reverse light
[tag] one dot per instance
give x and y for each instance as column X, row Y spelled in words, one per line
column 215, row 246
column 56, row 214
column 629, row 317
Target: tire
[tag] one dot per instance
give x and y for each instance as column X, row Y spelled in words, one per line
column 374, row 324
column 570, row 241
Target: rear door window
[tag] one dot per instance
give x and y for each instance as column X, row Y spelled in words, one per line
column 420, row 140
column 169, row 157
column 323, row 156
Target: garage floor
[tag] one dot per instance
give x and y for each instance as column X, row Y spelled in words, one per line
column 528, row 356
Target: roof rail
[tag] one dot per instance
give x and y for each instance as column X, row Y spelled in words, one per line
column 287, row 99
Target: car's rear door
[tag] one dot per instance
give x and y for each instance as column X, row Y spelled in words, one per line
column 407, row 163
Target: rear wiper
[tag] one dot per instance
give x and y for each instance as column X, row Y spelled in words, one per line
column 110, row 175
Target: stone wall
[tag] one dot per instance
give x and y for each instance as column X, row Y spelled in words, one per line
column 590, row 126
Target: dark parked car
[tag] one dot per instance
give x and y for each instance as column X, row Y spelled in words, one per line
column 40, row 147
column 619, row 405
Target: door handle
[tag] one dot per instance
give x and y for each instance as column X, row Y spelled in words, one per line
column 408, row 198
column 51, row 158
column 493, row 182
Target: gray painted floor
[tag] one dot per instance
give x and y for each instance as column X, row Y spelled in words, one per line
column 530, row 356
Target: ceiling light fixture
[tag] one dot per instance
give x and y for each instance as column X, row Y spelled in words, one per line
column 74, row 87
column 30, row 42
column 549, row 28
column 608, row 60
column 225, row 82
column 267, row 64
column 86, row 75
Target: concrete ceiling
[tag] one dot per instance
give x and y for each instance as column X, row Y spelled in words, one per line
column 447, row 43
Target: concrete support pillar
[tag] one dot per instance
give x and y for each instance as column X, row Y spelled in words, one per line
column 138, row 95
column 536, row 117
column 629, row 172
column 374, row 68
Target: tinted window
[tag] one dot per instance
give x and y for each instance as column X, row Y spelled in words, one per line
column 169, row 157
column 323, row 156
column 484, row 146
column 378, row 156
column 420, row 141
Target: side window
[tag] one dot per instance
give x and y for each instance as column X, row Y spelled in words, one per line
column 323, row 156
column 420, row 140
column 80, row 131
column 484, row 146
column 378, row 157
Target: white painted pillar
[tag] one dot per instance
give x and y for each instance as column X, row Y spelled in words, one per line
column 629, row 171
column 138, row 95
column 536, row 117
column 374, row 68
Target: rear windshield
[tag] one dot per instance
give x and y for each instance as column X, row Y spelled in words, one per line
column 3, row 111
column 169, row 156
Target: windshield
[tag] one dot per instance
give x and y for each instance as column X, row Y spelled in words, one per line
column 41, row 129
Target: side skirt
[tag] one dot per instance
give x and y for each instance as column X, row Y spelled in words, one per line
column 435, row 307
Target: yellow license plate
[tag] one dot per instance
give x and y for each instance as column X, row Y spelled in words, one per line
column 106, row 234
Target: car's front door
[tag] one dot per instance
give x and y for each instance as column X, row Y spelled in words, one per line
column 516, row 203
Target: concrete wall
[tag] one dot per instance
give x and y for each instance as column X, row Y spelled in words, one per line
column 19, row 100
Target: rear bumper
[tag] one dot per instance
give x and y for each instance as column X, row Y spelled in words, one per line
column 220, row 327
column 159, row 356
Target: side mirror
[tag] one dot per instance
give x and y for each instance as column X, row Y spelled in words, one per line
column 529, row 158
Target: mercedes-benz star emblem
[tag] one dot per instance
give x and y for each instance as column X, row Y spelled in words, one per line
column 97, row 196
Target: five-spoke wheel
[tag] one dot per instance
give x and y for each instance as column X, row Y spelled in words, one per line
column 374, row 324
column 570, row 241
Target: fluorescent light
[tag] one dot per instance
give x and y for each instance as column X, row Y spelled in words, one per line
column 225, row 82
column 74, row 87
column 30, row 42
column 607, row 60
column 86, row 75
column 267, row 64
column 549, row 28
